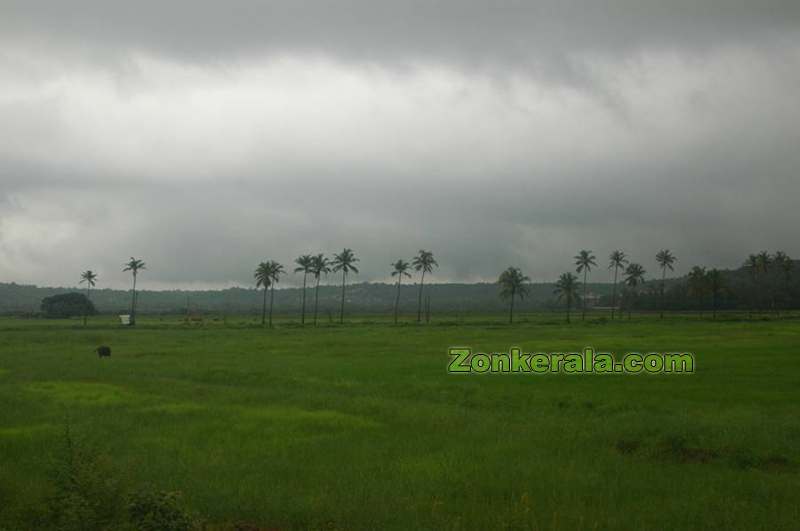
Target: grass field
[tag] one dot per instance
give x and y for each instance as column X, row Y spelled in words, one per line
column 361, row 427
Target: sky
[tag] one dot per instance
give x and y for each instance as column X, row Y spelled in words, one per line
column 203, row 137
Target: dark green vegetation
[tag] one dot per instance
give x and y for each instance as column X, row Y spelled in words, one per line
column 765, row 284
column 360, row 427
column 379, row 298
column 66, row 305
column 362, row 297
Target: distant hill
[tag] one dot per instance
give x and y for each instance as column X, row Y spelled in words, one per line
column 362, row 297
column 740, row 291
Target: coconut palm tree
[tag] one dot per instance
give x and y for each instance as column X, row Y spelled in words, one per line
column 401, row 268
column 715, row 285
column 344, row 262
column 134, row 265
column 89, row 277
column 585, row 260
column 319, row 266
column 304, row 265
column 665, row 260
column 697, row 281
column 617, row 261
column 425, row 263
column 513, row 284
column 567, row 289
column 634, row 277
column 263, row 278
column 275, row 272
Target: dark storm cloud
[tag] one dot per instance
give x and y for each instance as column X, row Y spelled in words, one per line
column 206, row 136
column 456, row 29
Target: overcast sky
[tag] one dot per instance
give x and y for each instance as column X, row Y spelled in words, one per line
column 203, row 137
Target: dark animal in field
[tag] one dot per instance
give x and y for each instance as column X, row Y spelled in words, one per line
column 103, row 351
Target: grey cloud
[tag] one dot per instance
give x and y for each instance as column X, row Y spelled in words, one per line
column 370, row 30
column 204, row 137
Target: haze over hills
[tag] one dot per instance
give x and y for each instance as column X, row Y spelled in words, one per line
column 376, row 297
column 739, row 291
column 362, row 297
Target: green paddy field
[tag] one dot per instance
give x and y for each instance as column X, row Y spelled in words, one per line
column 361, row 427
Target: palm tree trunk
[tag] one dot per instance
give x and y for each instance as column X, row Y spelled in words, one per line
column 316, row 301
column 264, row 307
column 303, row 311
column 271, row 300
column 663, row 277
column 344, row 283
column 511, row 309
column 133, row 302
column 714, row 305
column 786, row 296
column 397, row 298
column 630, row 304
column 614, row 294
column 760, row 299
column 86, row 310
column 569, row 303
column 428, row 309
column 419, row 306
column 583, row 315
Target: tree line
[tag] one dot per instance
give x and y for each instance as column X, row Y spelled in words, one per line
column 269, row 272
column 769, row 286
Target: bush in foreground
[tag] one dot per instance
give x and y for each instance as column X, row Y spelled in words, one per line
column 89, row 494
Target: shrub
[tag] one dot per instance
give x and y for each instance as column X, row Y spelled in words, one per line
column 86, row 495
column 153, row 510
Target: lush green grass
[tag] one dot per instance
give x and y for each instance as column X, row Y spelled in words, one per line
column 361, row 427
